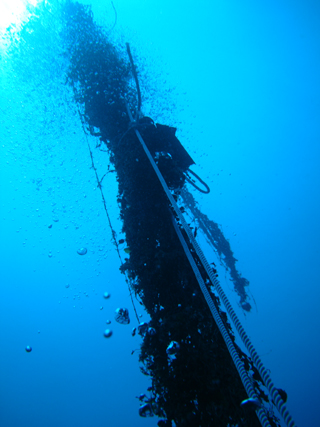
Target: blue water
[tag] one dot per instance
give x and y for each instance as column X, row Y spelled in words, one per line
column 241, row 83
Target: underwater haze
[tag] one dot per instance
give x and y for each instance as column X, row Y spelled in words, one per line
column 240, row 81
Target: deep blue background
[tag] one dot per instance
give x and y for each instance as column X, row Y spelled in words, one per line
column 244, row 79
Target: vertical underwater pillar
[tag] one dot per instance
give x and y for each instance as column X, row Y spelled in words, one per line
column 194, row 380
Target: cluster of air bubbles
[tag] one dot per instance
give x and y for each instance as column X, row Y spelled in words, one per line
column 144, row 329
column 122, row 316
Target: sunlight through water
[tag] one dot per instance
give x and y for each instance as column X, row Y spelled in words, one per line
column 12, row 14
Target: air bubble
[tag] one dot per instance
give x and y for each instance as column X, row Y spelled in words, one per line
column 82, row 251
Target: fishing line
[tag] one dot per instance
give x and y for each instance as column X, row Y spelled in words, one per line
column 113, row 232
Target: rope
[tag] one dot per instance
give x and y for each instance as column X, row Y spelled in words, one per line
column 114, row 235
column 246, row 380
column 115, row 19
column 206, row 191
column 134, row 72
column 279, row 403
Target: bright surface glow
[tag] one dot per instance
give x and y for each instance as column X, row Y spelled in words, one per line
column 13, row 12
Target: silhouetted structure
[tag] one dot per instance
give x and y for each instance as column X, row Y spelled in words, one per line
column 200, row 386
